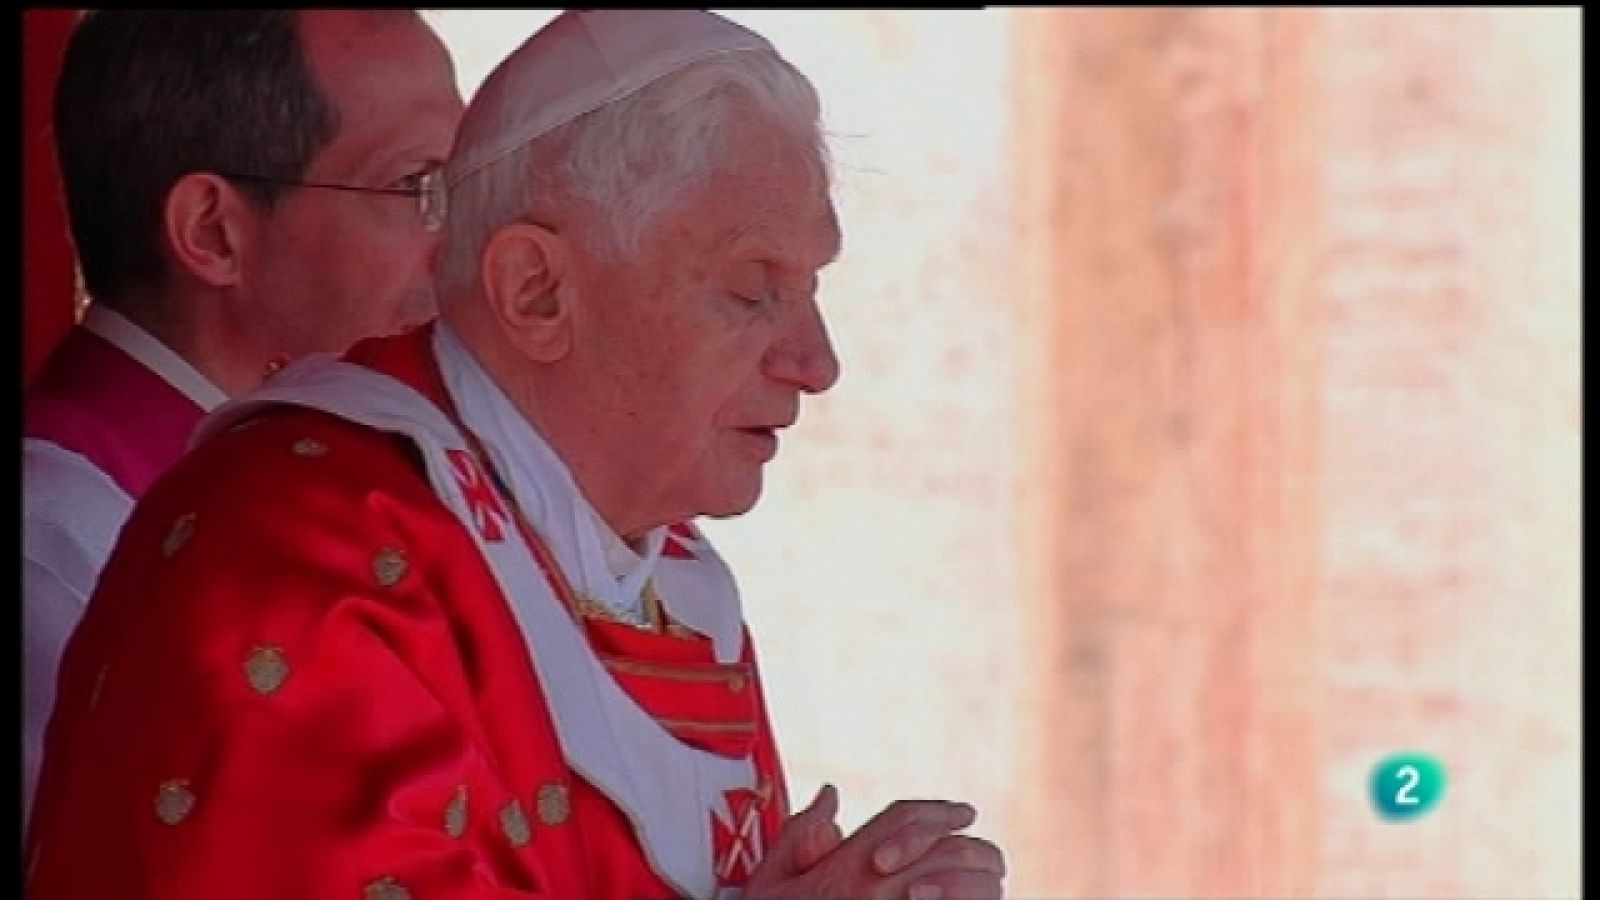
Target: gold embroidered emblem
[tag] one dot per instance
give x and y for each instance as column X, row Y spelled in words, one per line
column 385, row 888
column 179, row 535
column 309, row 447
column 514, row 823
column 552, row 803
column 174, row 801
column 266, row 669
column 455, row 813
column 388, row 566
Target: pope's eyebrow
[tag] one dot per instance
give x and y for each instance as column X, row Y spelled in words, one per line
column 772, row 232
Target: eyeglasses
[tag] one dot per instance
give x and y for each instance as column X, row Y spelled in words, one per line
column 429, row 192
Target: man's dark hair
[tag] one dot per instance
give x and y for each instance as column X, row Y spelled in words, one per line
column 148, row 96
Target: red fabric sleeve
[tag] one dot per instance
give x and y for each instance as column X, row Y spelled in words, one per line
column 269, row 701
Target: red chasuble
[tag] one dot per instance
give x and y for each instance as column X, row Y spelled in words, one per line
column 299, row 678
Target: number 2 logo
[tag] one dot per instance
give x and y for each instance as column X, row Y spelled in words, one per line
column 1406, row 785
column 1409, row 775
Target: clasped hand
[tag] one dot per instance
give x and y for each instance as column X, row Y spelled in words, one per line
column 909, row 850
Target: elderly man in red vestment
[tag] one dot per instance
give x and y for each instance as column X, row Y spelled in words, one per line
column 432, row 619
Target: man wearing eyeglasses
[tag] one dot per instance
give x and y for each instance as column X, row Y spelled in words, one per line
column 244, row 188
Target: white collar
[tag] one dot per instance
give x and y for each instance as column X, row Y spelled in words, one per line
column 594, row 559
column 153, row 355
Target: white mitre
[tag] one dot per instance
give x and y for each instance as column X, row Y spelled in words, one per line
column 578, row 62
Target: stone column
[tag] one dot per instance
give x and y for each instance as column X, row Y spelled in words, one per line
column 1300, row 411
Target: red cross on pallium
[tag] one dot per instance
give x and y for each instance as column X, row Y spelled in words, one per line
column 679, row 537
column 737, row 845
column 482, row 501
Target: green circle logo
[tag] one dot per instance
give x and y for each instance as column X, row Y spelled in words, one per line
column 1406, row 785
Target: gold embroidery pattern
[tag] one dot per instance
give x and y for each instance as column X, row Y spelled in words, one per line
column 514, row 823
column 455, row 813
column 309, row 447
column 733, row 676
column 744, row 726
column 266, row 669
column 388, row 566
column 553, row 803
column 181, row 531
column 652, row 606
column 174, row 801
column 385, row 888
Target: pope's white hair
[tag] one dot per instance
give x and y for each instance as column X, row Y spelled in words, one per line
column 628, row 160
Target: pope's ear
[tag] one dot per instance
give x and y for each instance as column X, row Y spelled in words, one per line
column 203, row 219
column 522, row 268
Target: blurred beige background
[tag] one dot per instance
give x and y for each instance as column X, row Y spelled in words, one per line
column 1209, row 430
